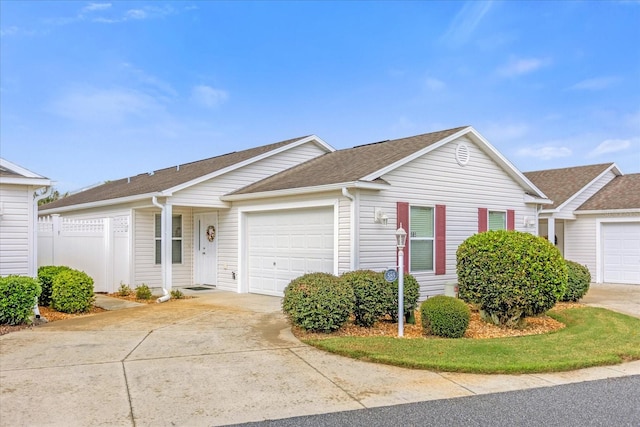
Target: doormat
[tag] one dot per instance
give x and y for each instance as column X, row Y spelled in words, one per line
column 201, row 288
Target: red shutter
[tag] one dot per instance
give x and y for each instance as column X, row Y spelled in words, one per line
column 402, row 215
column 511, row 219
column 483, row 219
column 441, row 239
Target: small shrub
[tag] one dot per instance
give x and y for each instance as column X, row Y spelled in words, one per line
column 411, row 295
column 124, row 290
column 18, row 296
column 46, row 274
column 578, row 281
column 143, row 292
column 72, row 292
column 368, row 289
column 177, row 294
column 445, row 316
column 510, row 275
column 318, row 302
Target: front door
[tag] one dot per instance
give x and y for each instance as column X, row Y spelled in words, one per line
column 206, row 245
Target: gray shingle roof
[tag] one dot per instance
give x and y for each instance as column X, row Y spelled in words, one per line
column 162, row 179
column 560, row 184
column 347, row 165
column 623, row 192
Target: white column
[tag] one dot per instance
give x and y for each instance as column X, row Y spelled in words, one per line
column 551, row 230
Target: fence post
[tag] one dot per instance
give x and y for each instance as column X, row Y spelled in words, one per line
column 55, row 234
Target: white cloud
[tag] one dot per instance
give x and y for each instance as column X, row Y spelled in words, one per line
column 434, row 84
column 466, row 21
column 104, row 105
column 598, row 83
column 208, row 96
column 136, row 14
column 517, row 67
column 506, row 132
column 610, row 146
column 92, row 7
column 545, row 153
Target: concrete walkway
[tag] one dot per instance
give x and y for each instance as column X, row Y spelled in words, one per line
column 218, row 359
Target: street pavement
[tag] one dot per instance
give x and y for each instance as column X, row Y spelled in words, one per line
column 221, row 358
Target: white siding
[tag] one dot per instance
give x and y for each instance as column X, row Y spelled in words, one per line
column 207, row 193
column 16, row 229
column 436, row 179
column 580, row 241
column 567, row 211
column 146, row 270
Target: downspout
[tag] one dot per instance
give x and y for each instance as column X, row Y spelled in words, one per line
column 34, row 246
column 166, row 295
column 353, row 226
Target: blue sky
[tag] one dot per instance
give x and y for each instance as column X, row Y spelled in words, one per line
column 93, row 91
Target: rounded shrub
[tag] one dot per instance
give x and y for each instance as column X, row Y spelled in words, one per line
column 143, row 292
column 411, row 295
column 368, row 289
column 445, row 316
column 72, row 292
column 17, row 298
column 46, row 274
column 578, row 281
column 318, row 302
column 510, row 275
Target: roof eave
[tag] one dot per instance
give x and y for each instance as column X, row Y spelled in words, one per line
column 302, row 141
column 624, row 212
column 529, row 199
column 304, row 190
column 36, row 182
column 612, row 168
column 99, row 203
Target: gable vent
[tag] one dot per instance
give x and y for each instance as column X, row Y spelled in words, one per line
column 462, row 154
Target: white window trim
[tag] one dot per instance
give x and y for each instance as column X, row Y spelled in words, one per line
column 489, row 212
column 432, row 239
column 157, row 217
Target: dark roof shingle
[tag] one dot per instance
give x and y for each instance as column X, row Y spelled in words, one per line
column 162, row 179
column 347, row 165
column 560, row 184
column 622, row 192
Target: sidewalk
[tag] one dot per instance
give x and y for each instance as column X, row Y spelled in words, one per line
column 218, row 359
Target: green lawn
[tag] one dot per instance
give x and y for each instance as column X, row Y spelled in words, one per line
column 593, row 336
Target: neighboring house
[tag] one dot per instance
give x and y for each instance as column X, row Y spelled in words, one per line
column 18, row 216
column 594, row 218
column 251, row 221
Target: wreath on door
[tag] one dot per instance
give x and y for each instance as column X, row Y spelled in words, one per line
column 211, row 233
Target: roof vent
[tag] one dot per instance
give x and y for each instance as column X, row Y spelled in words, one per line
column 462, row 154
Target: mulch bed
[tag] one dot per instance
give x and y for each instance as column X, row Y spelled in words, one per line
column 478, row 328
column 51, row 315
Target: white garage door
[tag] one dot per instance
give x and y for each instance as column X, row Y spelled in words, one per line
column 286, row 244
column 621, row 252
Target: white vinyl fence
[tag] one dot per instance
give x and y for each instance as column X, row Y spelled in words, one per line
column 99, row 247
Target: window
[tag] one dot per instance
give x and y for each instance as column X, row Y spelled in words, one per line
column 421, row 227
column 497, row 220
column 176, row 239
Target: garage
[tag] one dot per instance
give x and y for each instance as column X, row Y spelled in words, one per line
column 621, row 252
column 286, row 244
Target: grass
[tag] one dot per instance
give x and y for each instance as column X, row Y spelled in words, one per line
column 593, row 337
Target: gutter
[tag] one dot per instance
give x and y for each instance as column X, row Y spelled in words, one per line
column 166, row 295
column 34, row 246
column 354, row 228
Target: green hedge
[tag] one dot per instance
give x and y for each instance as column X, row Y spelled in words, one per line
column 46, row 274
column 318, row 302
column 510, row 275
column 72, row 292
column 18, row 296
column 578, row 281
column 411, row 295
column 445, row 316
column 369, row 291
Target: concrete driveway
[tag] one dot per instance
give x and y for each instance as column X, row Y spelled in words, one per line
column 218, row 359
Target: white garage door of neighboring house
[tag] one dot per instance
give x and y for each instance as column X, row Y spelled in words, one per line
column 621, row 252
column 286, row 244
